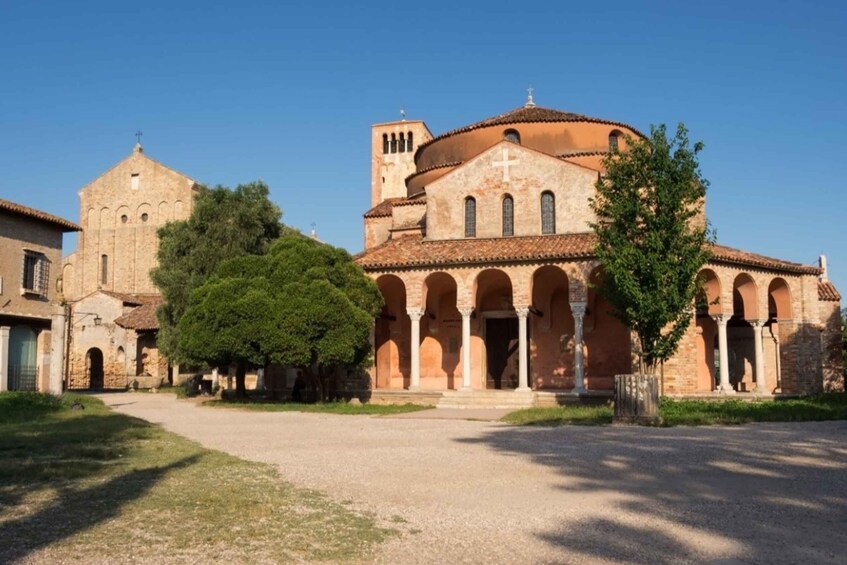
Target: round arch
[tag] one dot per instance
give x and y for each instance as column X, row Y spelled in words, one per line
column 492, row 290
column 744, row 293
column 94, row 368
column 779, row 300
column 391, row 335
column 709, row 296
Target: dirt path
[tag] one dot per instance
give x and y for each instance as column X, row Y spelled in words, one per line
column 485, row 492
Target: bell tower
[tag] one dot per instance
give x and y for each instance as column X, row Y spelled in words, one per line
column 393, row 147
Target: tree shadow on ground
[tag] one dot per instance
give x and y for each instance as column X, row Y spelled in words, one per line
column 764, row 493
column 76, row 510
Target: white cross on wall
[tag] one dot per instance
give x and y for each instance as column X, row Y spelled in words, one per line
column 506, row 163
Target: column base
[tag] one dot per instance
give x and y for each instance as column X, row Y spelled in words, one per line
column 466, row 389
column 523, row 389
column 579, row 390
column 414, row 388
column 762, row 390
column 725, row 390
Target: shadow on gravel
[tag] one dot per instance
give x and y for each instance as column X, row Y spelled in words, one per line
column 776, row 492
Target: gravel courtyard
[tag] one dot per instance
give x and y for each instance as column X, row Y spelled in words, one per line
column 485, row 492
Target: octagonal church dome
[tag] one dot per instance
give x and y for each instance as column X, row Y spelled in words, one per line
column 573, row 137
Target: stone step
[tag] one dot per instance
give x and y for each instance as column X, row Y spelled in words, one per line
column 487, row 399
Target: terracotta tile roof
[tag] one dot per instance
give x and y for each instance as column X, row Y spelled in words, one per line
column 142, row 318
column 414, row 251
column 827, row 292
column 432, row 168
column 529, row 115
column 66, row 225
column 134, row 299
column 384, row 208
column 723, row 254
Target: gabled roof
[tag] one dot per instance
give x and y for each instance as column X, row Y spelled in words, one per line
column 529, row 114
column 139, row 151
column 827, row 292
column 415, row 251
column 142, row 318
column 22, row 210
column 383, row 209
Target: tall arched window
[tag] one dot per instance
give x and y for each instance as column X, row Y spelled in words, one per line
column 548, row 213
column 508, row 216
column 393, row 143
column 402, row 142
column 409, row 142
column 512, row 135
column 385, row 143
column 470, row 217
column 104, row 269
column 613, row 141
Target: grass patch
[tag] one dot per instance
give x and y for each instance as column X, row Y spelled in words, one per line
column 698, row 412
column 83, row 485
column 323, row 408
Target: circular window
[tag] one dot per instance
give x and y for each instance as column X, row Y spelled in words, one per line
column 144, row 217
column 124, row 219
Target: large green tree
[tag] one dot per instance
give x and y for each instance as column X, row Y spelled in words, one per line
column 223, row 224
column 649, row 240
column 303, row 304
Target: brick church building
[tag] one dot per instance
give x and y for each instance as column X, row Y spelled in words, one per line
column 479, row 241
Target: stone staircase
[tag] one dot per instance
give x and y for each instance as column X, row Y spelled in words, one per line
column 501, row 399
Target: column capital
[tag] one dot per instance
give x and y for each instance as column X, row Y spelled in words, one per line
column 721, row 319
column 758, row 324
column 578, row 308
column 522, row 311
column 415, row 314
column 466, row 312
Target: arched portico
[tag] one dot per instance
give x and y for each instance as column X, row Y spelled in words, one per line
column 552, row 330
column 391, row 335
column 94, row 368
column 778, row 331
column 708, row 311
column 502, row 329
column 608, row 344
column 744, row 355
column 440, row 333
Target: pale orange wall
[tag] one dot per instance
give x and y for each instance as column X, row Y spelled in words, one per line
column 389, row 170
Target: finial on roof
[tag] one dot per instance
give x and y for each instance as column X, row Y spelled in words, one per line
column 529, row 102
column 824, row 274
column 403, row 113
column 138, row 148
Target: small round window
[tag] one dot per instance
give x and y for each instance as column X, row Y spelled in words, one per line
column 124, row 219
column 512, row 135
column 144, row 217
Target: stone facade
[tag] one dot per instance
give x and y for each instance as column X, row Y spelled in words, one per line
column 481, row 293
column 32, row 318
column 107, row 278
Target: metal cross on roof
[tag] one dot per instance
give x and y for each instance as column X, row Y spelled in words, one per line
column 138, row 135
column 529, row 102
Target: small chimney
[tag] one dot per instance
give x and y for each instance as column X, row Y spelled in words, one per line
column 822, row 262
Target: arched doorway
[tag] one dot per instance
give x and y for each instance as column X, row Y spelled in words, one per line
column 777, row 334
column 708, row 306
column 392, row 336
column 740, row 336
column 552, row 328
column 441, row 333
column 94, row 368
column 498, row 324
column 23, row 370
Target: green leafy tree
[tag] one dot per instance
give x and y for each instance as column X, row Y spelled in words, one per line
column 648, row 238
column 303, row 304
column 223, row 224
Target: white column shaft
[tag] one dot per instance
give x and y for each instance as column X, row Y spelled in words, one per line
column 578, row 309
column 761, row 385
column 415, row 377
column 466, row 348
column 724, row 355
column 523, row 373
column 4, row 358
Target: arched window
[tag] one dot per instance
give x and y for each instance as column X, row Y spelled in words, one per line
column 508, row 216
column 409, row 144
column 104, row 269
column 402, row 142
column 613, row 141
column 384, row 143
column 470, row 217
column 393, row 143
column 512, row 135
column 548, row 213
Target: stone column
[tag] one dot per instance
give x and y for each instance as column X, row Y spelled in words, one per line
column 724, row 386
column 415, row 380
column 523, row 376
column 466, row 347
column 4, row 358
column 578, row 309
column 57, row 354
column 761, row 385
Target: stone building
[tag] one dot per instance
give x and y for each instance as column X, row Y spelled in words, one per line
column 106, row 280
column 32, row 319
column 479, row 241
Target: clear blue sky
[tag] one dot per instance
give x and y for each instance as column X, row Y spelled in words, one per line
column 229, row 92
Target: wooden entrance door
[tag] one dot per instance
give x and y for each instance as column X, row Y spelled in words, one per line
column 501, row 346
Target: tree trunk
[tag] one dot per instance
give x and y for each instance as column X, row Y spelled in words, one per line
column 240, row 378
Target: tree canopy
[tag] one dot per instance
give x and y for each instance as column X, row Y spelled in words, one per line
column 223, row 224
column 649, row 239
column 302, row 304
